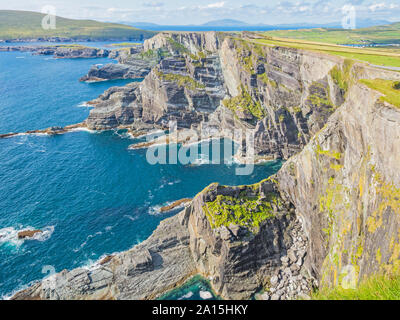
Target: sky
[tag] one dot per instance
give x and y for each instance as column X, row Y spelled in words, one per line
column 181, row 12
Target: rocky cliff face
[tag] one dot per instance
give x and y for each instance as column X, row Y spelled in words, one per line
column 246, row 239
column 345, row 185
column 216, row 83
column 183, row 87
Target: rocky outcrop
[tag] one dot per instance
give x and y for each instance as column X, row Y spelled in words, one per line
column 115, row 107
column 61, row 51
column 241, row 238
column 132, row 64
column 144, row 272
column 28, row 233
column 112, row 71
column 180, row 89
column 193, row 42
column 51, row 131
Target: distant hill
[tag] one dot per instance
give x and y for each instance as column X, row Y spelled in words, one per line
column 28, row 25
column 237, row 25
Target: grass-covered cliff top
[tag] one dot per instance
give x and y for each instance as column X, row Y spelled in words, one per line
column 375, row 288
column 389, row 89
column 243, row 211
column 375, row 56
column 248, row 209
column 28, row 25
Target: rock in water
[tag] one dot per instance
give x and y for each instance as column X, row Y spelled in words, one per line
column 28, row 233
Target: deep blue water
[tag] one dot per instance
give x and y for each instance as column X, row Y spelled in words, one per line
column 88, row 193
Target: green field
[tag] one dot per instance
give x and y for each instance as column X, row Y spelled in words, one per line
column 28, row 25
column 387, row 34
column 375, row 56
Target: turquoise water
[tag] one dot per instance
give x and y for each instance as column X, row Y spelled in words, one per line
column 196, row 288
column 87, row 192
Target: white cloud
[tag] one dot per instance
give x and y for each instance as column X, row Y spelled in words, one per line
column 216, row 5
column 377, row 6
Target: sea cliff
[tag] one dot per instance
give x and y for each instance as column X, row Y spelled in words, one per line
column 333, row 208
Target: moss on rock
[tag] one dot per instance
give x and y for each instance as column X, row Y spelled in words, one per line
column 245, row 210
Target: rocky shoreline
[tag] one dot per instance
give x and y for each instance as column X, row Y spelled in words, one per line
column 60, row 51
column 52, row 131
column 334, row 205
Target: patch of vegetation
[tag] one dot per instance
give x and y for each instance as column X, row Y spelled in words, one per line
column 243, row 51
column 388, row 88
column 319, row 96
column 341, row 76
column 154, row 54
column 244, row 102
column 28, row 25
column 264, row 78
column 182, row 81
column 379, row 287
column 177, row 47
column 331, row 154
column 246, row 211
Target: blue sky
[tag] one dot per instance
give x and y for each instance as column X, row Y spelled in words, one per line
column 178, row 12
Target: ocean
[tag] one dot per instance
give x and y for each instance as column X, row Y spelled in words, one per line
column 89, row 194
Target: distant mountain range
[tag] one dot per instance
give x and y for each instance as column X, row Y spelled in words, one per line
column 231, row 24
column 28, row 25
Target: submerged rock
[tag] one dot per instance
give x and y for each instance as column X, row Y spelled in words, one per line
column 28, row 233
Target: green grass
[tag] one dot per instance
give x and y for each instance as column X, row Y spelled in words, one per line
column 244, row 102
column 341, row 75
column 182, row 81
column 387, row 34
column 373, row 56
column 28, row 25
column 375, row 288
column 244, row 211
column 389, row 89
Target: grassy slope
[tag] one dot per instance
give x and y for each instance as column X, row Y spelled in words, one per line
column 26, row 24
column 387, row 88
column 387, row 34
column 375, row 288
